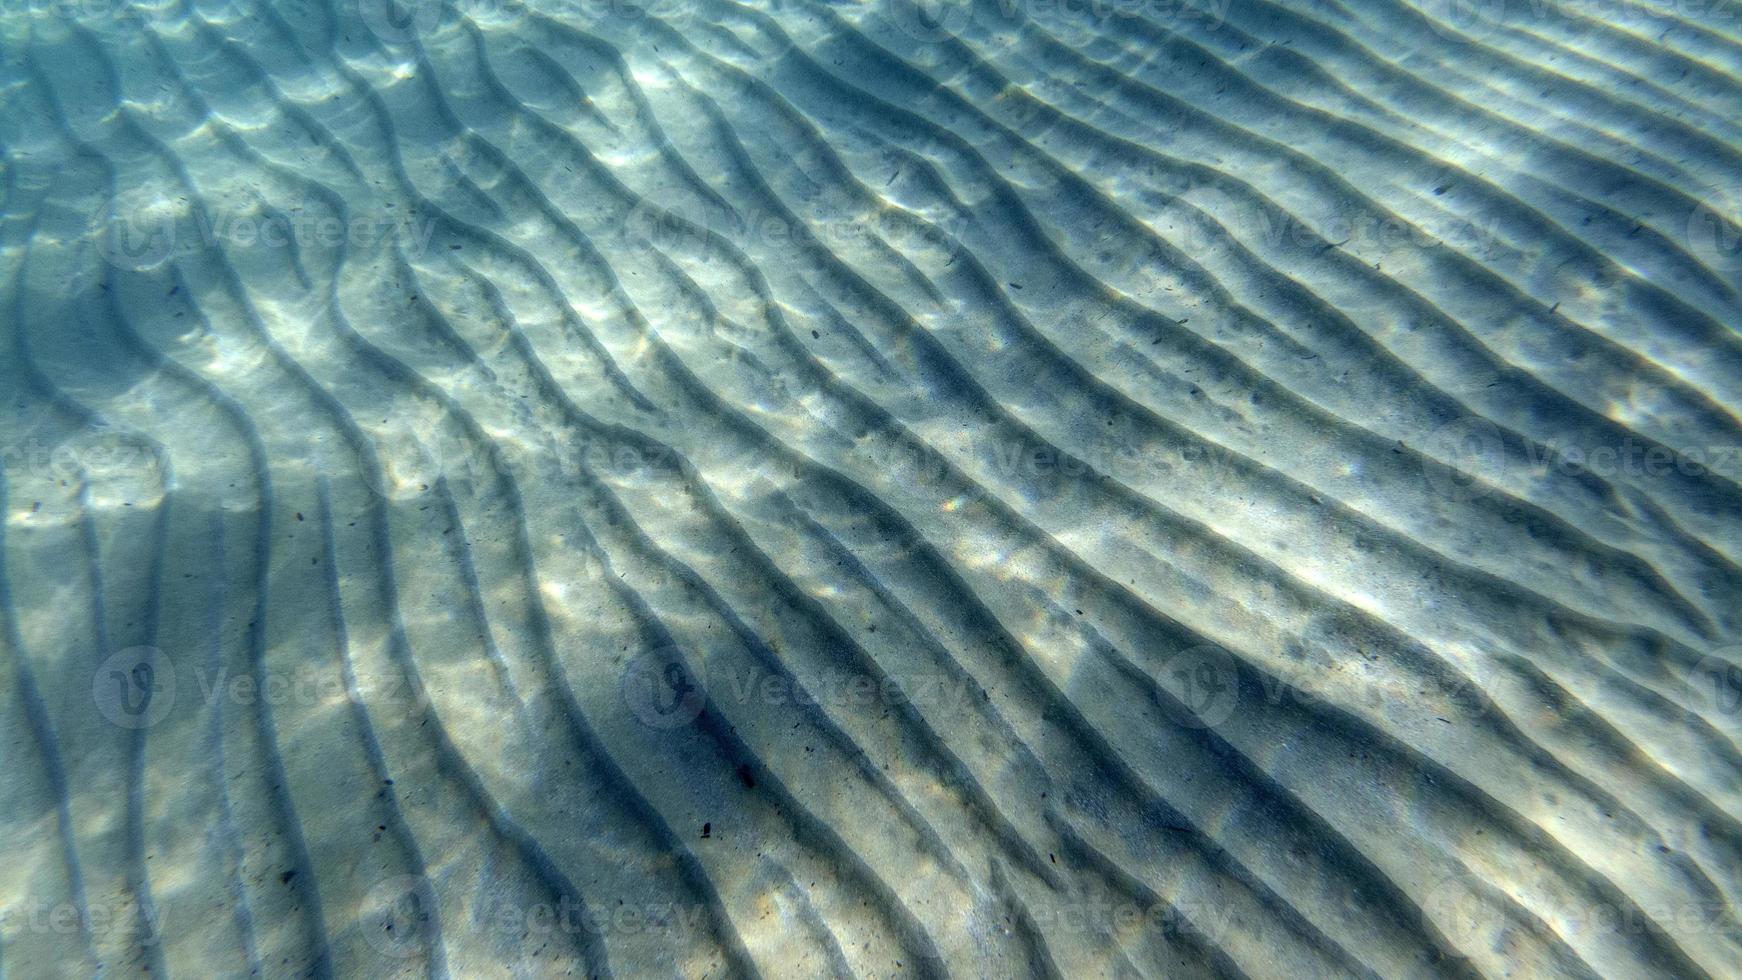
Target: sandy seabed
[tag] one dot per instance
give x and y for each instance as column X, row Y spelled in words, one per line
column 1237, row 488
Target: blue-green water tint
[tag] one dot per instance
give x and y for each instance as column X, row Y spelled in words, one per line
column 1084, row 489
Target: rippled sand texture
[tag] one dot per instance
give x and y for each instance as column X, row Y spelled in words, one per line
column 805, row 488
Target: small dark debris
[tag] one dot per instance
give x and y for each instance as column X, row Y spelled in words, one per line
column 815, row 335
column 299, row 515
column 707, row 831
column 746, row 777
column 285, row 877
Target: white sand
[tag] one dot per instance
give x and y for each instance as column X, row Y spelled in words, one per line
column 1231, row 488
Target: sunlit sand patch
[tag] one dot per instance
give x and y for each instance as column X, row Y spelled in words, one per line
column 1136, row 489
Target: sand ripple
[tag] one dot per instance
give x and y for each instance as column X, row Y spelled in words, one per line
column 800, row 488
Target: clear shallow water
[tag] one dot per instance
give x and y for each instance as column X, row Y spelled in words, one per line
column 1232, row 488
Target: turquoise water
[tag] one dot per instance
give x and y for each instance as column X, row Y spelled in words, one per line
column 1073, row 488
